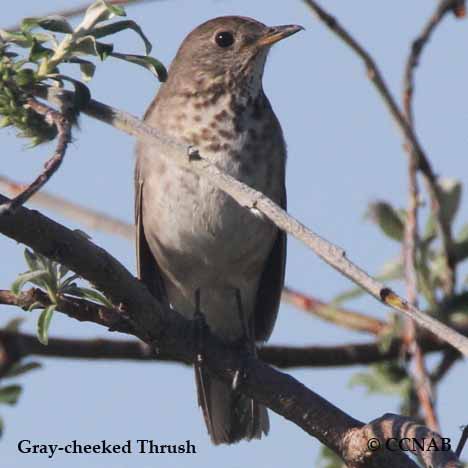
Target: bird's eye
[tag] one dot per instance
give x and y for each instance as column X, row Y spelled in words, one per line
column 224, row 39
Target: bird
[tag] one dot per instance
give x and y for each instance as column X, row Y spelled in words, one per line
column 198, row 251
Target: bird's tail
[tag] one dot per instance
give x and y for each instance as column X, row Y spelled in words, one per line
column 229, row 415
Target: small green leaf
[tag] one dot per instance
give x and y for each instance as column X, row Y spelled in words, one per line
column 9, row 394
column 2, row 426
column 17, row 38
column 150, row 63
column 108, row 29
column 38, row 52
column 53, row 23
column 388, row 219
column 30, row 276
column 43, row 324
column 89, row 46
column 450, row 190
column 99, row 11
column 20, row 369
column 93, row 295
column 87, row 68
column 32, row 259
column 67, row 282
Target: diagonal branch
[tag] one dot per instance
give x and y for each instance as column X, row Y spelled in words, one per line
column 188, row 157
column 408, row 134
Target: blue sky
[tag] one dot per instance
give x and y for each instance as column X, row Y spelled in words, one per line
column 344, row 152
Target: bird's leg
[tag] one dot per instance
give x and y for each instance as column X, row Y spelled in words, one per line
column 248, row 338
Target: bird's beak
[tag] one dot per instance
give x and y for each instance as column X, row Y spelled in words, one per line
column 277, row 33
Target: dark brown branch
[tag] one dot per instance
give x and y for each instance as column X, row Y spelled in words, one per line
column 78, row 309
column 280, row 356
column 63, row 125
column 411, row 140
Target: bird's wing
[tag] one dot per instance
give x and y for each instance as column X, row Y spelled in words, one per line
column 271, row 285
column 147, row 268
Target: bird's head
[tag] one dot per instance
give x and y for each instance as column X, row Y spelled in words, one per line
column 227, row 51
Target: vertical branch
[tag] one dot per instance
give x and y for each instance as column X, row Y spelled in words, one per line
column 412, row 142
column 418, row 371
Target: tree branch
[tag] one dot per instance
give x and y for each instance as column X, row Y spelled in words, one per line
column 283, row 357
column 405, row 128
column 171, row 337
column 189, row 157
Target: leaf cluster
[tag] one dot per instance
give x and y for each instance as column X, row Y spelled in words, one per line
column 33, row 57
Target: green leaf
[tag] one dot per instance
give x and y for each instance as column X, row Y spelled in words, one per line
column 2, row 426
column 93, row 295
column 87, row 68
column 20, row 369
column 43, row 324
column 328, row 459
column 99, row 11
column 30, row 276
column 32, row 259
column 53, row 23
column 89, row 46
column 388, row 219
column 150, row 63
column 450, row 191
column 386, row 378
column 108, row 29
column 9, row 394
column 67, row 282
column 17, row 38
column 38, row 52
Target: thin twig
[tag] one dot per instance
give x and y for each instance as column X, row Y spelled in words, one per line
column 409, row 136
column 338, row 315
column 285, row 357
column 191, row 159
column 449, row 358
column 416, row 367
column 63, row 125
column 90, row 218
column 418, row 370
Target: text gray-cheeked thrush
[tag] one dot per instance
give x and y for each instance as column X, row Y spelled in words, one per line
column 196, row 247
